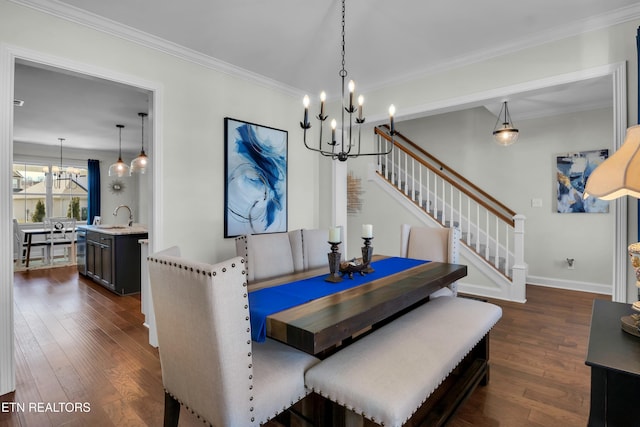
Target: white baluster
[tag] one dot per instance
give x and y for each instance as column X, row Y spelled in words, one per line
column 451, row 206
column 497, row 263
column 406, row 174
column 460, row 209
column 393, row 165
column 444, row 201
column 506, row 258
column 468, row 221
column 486, row 248
column 435, row 196
column 413, row 179
column 478, row 228
column 428, row 190
column 421, row 190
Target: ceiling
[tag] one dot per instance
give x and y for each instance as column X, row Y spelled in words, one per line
column 295, row 44
column 82, row 110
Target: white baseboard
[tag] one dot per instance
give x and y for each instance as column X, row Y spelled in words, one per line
column 486, row 292
column 573, row 285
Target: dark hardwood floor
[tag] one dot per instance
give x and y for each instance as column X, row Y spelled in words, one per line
column 76, row 342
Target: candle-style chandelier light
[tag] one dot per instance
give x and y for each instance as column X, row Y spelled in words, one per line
column 345, row 148
column 64, row 178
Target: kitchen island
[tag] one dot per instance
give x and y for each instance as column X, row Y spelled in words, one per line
column 112, row 256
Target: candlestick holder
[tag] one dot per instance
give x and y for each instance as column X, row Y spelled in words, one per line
column 367, row 254
column 334, row 264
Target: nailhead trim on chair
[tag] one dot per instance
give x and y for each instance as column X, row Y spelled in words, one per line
column 248, row 330
column 246, row 251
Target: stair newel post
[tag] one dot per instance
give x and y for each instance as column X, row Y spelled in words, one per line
column 518, row 290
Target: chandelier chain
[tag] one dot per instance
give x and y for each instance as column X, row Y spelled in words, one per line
column 343, row 71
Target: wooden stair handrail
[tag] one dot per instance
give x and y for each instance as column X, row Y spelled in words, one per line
column 504, row 210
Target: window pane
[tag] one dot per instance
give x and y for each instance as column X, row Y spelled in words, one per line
column 29, row 192
column 66, row 192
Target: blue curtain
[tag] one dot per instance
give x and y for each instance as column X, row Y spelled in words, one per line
column 94, row 190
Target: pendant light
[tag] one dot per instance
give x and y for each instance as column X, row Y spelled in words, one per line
column 505, row 134
column 119, row 168
column 139, row 164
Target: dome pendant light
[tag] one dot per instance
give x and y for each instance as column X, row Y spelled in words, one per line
column 505, row 134
column 140, row 163
column 119, row 168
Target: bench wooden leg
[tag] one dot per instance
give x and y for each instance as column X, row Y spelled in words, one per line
column 171, row 411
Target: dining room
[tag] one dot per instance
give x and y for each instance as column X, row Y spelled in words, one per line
column 185, row 204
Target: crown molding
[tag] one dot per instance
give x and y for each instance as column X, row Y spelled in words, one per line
column 99, row 23
column 571, row 29
column 108, row 26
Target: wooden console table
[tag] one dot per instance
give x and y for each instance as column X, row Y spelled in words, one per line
column 614, row 358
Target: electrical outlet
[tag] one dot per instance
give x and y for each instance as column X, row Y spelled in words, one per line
column 536, row 203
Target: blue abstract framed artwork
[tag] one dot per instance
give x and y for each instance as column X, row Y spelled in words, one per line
column 572, row 172
column 255, row 178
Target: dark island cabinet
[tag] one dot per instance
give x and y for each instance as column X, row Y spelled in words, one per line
column 113, row 260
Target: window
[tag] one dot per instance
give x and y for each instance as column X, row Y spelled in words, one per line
column 41, row 190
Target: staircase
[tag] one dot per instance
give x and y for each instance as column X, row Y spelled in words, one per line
column 492, row 234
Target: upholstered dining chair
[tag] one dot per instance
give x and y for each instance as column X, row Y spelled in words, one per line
column 439, row 244
column 267, row 255
column 315, row 247
column 209, row 363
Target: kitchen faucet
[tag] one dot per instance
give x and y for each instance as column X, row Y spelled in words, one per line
column 115, row 213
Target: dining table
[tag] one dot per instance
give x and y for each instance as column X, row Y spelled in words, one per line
column 28, row 236
column 318, row 317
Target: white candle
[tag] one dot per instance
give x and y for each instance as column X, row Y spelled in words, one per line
column 352, row 88
column 333, row 131
column 323, row 97
column 334, row 235
column 367, row 231
column 392, row 112
column 305, row 102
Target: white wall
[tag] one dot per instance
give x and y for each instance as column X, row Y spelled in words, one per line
column 195, row 100
column 515, row 175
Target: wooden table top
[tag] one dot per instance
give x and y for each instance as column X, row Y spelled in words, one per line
column 320, row 325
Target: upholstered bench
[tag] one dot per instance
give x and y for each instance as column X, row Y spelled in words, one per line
column 388, row 375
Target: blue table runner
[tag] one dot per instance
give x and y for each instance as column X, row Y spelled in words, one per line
column 267, row 301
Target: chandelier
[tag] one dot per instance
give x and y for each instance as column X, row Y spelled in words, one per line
column 342, row 150
column 68, row 176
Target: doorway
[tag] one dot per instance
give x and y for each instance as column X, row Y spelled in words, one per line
column 9, row 57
